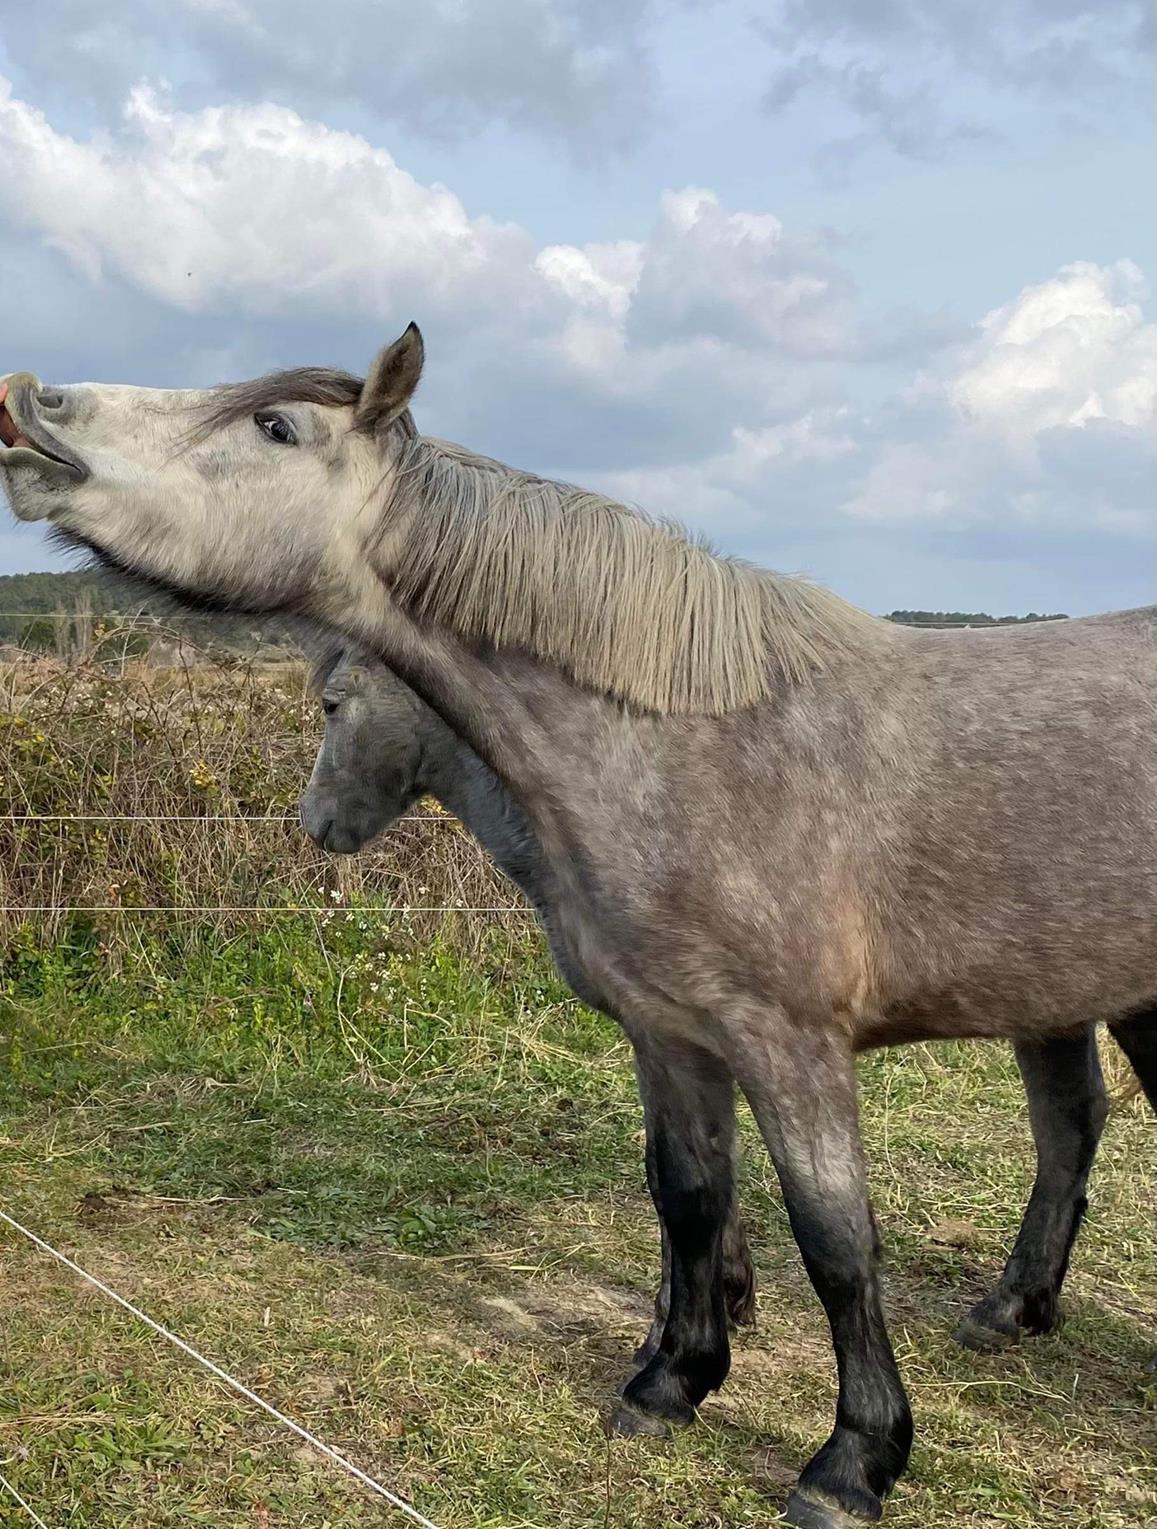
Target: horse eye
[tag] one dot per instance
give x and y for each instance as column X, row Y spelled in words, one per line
column 329, row 707
column 277, row 428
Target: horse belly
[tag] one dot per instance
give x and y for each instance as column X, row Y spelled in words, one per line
column 1024, row 995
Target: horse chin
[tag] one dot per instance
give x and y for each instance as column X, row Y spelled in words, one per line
column 33, row 482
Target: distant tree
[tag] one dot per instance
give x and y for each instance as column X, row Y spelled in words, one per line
column 37, row 635
column 964, row 618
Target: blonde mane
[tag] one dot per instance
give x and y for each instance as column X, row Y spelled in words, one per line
column 626, row 605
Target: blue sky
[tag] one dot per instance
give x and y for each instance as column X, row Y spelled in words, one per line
column 859, row 287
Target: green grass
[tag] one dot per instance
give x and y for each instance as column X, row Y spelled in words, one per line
column 398, row 1189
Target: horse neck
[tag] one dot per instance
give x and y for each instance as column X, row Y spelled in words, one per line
column 512, row 716
column 469, row 788
column 507, row 710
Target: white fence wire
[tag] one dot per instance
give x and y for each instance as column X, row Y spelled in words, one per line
column 7, row 1486
column 214, row 1369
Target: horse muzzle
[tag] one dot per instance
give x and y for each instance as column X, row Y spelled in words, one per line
column 29, row 446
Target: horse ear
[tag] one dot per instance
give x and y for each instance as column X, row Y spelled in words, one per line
column 390, row 385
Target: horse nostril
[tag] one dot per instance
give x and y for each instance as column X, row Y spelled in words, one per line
column 50, row 398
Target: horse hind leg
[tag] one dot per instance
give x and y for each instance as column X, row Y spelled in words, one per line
column 1067, row 1107
column 1137, row 1037
column 688, row 1097
column 738, row 1270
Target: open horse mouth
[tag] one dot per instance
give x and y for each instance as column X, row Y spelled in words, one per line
column 20, row 431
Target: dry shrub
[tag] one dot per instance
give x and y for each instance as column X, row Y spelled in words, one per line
column 138, row 784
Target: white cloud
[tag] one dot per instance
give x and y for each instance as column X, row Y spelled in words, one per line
column 706, row 273
column 574, row 70
column 1047, row 418
column 599, row 279
column 1041, row 423
column 921, row 75
column 760, row 483
column 1064, row 352
column 739, row 276
column 248, row 204
column 709, row 322
column 909, row 481
column 814, row 437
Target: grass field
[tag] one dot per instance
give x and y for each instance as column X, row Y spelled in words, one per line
column 382, row 1167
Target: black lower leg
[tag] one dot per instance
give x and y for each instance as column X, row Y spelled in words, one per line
column 688, row 1097
column 868, row 1448
column 1137, row 1038
column 1067, row 1107
column 650, row 1344
column 738, row 1272
column 806, row 1108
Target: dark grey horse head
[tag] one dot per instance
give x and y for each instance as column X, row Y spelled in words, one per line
column 369, row 767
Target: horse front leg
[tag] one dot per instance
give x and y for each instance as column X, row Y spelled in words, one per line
column 799, row 1078
column 1067, row 1107
column 689, row 1102
column 738, row 1271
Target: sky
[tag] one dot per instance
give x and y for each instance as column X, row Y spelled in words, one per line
column 858, row 288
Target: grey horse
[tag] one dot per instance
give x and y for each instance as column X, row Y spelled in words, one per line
column 779, row 830
column 382, row 749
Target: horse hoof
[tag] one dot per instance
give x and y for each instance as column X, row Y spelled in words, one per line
column 983, row 1339
column 632, row 1423
column 806, row 1512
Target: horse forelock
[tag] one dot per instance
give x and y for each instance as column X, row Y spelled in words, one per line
column 329, row 386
